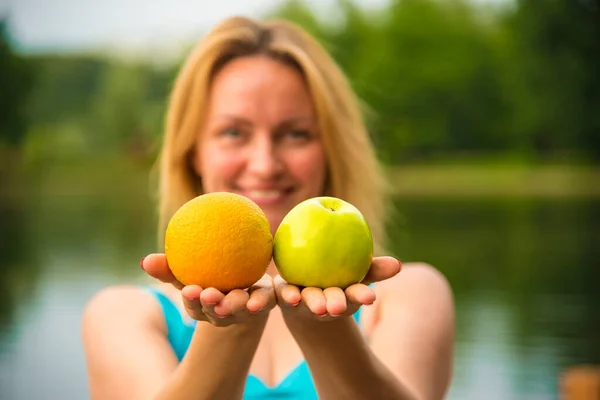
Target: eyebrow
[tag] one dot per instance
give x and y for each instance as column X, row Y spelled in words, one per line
column 286, row 122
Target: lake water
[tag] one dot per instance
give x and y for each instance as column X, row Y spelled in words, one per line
column 524, row 272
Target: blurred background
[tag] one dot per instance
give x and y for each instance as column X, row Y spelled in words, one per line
column 486, row 114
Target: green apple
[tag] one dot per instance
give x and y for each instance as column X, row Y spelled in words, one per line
column 323, row 242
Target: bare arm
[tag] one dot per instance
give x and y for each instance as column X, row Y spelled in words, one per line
column 217, row 365
column 129, row 357
column 410, row 351
column 342, row 364
column 414, row 332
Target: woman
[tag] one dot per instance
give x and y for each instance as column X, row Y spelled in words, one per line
column 261, row 109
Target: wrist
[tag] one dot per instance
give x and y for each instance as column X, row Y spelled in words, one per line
column 222, row 342
column 237, row 329
column 311, row 325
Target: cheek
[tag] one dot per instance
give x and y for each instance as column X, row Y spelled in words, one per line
column 218, row 168
column 310, row 166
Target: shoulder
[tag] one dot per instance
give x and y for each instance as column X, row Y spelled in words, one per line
column 416, row 279
column 419, row 289
column 120, row 305
column 124, row 334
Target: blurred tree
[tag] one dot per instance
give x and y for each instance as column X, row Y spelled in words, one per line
column 65, row 86
column 301, row 13
column 557, row 59
column 15, row 83
column 58, row 106
column 436, row 78
column 127, row 110
column 116, row 108
column 436, row 86
column 427, row 69
column 95, row 105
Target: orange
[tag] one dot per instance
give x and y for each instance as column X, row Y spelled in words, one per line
column 221, row 240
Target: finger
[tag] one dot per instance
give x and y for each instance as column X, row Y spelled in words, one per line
column 336, row 301
column 234, row 302
column 260, row 299
column 191, row 301
column 157, row 267
column 382, row 268
column 262, row 295
column 314, row 300
column 360, row 294
column 210, row 297
column 191, row 292
column 290, row 294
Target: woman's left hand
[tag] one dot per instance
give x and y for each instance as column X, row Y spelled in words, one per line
column 332, row 303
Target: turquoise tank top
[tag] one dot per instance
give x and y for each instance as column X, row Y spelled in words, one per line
column 298, row 385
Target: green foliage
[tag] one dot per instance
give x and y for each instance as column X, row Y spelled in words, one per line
column 87, row 105
column 437, row 78
column 65, row 86
column 558, row 48
column 15, row 83
column 124, row 114
column 449, row 77
column 434, row 84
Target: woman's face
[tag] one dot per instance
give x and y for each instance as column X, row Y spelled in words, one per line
column 260, row 138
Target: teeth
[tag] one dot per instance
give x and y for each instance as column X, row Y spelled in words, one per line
column 265, row 194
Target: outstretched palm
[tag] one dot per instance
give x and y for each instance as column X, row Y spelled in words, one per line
column 330, row 303
column 209, row 304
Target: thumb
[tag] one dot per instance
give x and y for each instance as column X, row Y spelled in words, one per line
column 157, row 267
column 382, row 268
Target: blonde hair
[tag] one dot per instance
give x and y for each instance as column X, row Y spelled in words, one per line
column 354, row 173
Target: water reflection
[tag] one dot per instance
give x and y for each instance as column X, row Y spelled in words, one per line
column 522, row 272
column 525, row 285
column 489, row 365
column 18, row 262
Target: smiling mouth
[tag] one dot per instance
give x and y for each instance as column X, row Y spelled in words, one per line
column 266, row 195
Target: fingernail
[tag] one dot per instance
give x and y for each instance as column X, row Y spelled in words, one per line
column 142, row 263
column 295, row 304
column 255, row 312
column 221, row 316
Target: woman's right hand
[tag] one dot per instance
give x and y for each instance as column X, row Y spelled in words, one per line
column 211, row 305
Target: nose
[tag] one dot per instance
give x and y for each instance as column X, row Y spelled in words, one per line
column 264, row 160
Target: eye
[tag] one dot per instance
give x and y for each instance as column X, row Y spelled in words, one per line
column 299, row 134
column 233, row 133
